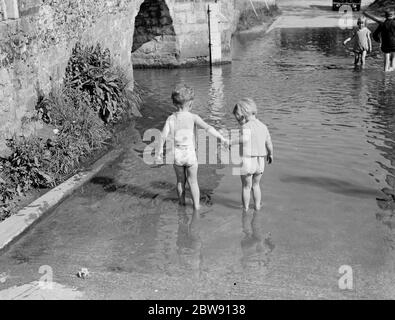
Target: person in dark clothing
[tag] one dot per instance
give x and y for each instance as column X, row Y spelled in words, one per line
column 386, row 33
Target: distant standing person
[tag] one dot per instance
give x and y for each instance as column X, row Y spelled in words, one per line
column 362, row 42
column 385, row 33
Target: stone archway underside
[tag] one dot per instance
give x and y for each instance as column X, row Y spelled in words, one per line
column 154, row 39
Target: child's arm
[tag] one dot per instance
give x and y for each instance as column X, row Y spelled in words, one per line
column 349, row 39
column 369, row 42
column 163, row 137
column 211, row 130
column 269, row 147
column 371, row 17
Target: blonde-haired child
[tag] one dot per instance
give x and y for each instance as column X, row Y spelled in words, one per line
column 362, row 42
column 181, row 125
column 257, row 146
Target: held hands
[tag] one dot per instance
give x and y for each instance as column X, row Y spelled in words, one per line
column 226, row 143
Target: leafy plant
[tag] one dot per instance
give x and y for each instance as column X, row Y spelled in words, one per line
column 23, row 169
column 26, row 166
column 7, row 193
column 80, row 129
column 90, row 70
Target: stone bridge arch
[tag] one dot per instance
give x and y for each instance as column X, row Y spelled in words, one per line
column 154, row 37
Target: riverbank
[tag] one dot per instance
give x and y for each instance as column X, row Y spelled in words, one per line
column 24, row 199
column 81, row 120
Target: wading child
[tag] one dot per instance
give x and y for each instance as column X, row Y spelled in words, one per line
column 256, row 148
column 181, row 126
column 362, row 43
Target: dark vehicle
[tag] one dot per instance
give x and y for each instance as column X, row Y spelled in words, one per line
column 354, row 4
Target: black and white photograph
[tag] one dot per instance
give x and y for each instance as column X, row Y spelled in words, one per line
column 210, row 151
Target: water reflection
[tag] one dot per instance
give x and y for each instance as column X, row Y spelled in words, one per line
column 383, row 114
column 360, row 86
column 216, row 95
column 255, row 245
column 189, row 242
column 383, row 139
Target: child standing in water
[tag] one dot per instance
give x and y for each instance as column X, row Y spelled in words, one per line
column 181, row 125
column 257, row 147
column 362, row 42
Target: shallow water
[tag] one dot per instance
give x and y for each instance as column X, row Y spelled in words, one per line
column 332, row 126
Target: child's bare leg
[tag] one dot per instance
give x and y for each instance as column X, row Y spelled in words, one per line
column 181, row 181
column 193, row 184
column 256, row 191
column 356, row 61
column 363, row 58
column 246, row 192
column 387, row 65
column 392, row 58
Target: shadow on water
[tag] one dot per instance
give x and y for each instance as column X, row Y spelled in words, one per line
column 111, row 186
column 162, row 185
